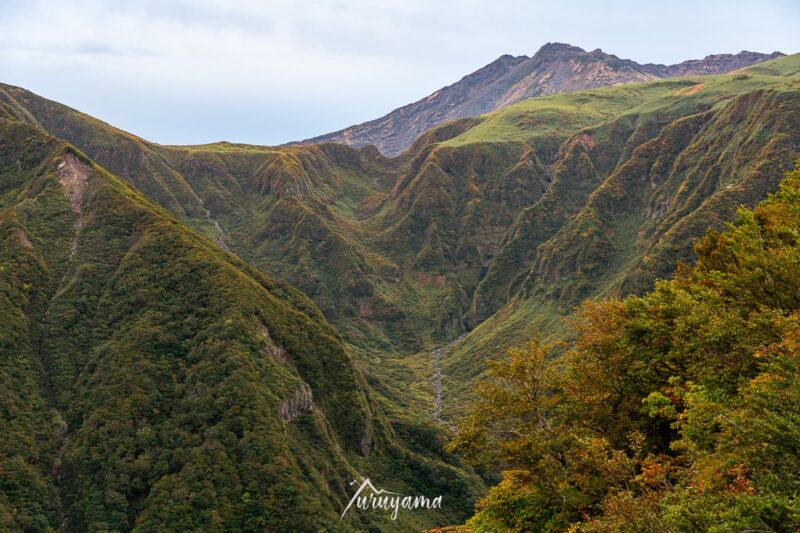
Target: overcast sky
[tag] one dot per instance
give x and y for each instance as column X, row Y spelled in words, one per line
column 272, row 71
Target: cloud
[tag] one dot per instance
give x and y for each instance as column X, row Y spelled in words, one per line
column 187, row 71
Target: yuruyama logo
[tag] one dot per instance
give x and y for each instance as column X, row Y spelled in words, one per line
column 369, row 497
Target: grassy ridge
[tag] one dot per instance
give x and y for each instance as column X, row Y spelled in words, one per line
column 153, row 381
column 497, row 225
column 629, row 195
column 553, row 199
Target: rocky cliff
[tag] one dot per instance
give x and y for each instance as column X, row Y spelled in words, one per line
column 555, row 68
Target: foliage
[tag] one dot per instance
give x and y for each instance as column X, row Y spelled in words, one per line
column 671, row 411
column 512, row 217
column 146, row 373
column 148, row 363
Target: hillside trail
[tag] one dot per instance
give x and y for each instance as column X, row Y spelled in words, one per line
column 438, row 376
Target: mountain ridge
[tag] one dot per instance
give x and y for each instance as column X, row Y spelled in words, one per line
column 554, row 68
column 493, row 226
column 153, row 381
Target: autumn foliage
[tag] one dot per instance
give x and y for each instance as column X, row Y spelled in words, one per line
column 678, row 410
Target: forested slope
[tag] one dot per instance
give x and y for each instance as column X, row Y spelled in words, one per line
column 671, row 411
column 494, row 225
column 153, row 382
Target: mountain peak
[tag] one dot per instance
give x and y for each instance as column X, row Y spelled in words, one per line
column 505, row 59
column 554, row 68
column 558, row 50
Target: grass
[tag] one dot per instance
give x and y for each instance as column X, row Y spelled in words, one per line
column 395, row 253
column 558, row 113
column 139, row 368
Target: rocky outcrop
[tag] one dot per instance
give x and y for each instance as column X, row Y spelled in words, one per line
column 555, row 68
column 299, row 402
column 713, row 64
column 72, row 174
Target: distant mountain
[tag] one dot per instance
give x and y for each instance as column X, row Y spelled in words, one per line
column 555, row 68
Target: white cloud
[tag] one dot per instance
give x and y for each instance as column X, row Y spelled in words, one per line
column 269, row 72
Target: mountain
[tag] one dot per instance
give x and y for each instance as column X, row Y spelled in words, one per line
column 555, row 68
column 484, row 232
column 152, row 381
column 674, row 410
column 493, row 226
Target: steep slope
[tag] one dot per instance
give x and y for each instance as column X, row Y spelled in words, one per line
column 494, row 225
column 153, row 382
column 675, row 410
column 555, row 68
column 280, row 191
column 125, row 155
column 628, row 197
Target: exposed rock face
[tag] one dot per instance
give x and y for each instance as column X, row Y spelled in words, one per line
column 555, row 68
column 299, row 402
column 272, row 349
column 72, row 175
column 713, row 64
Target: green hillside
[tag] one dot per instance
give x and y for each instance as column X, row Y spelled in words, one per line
column 495, row 225
column 671, row 411
column 629, row 195
column 154, row 382
column 145, row 361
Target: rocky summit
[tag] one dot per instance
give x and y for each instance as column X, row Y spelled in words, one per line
column 555, row 68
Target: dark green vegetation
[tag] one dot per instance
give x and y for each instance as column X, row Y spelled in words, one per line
column 672, row 411
column 628, row 196
column 501, row 223
column 149, row 358
column 152, row 381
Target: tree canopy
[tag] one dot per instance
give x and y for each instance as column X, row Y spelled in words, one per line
column 676, row 410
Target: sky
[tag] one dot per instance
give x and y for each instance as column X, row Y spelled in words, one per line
column 274, row 71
